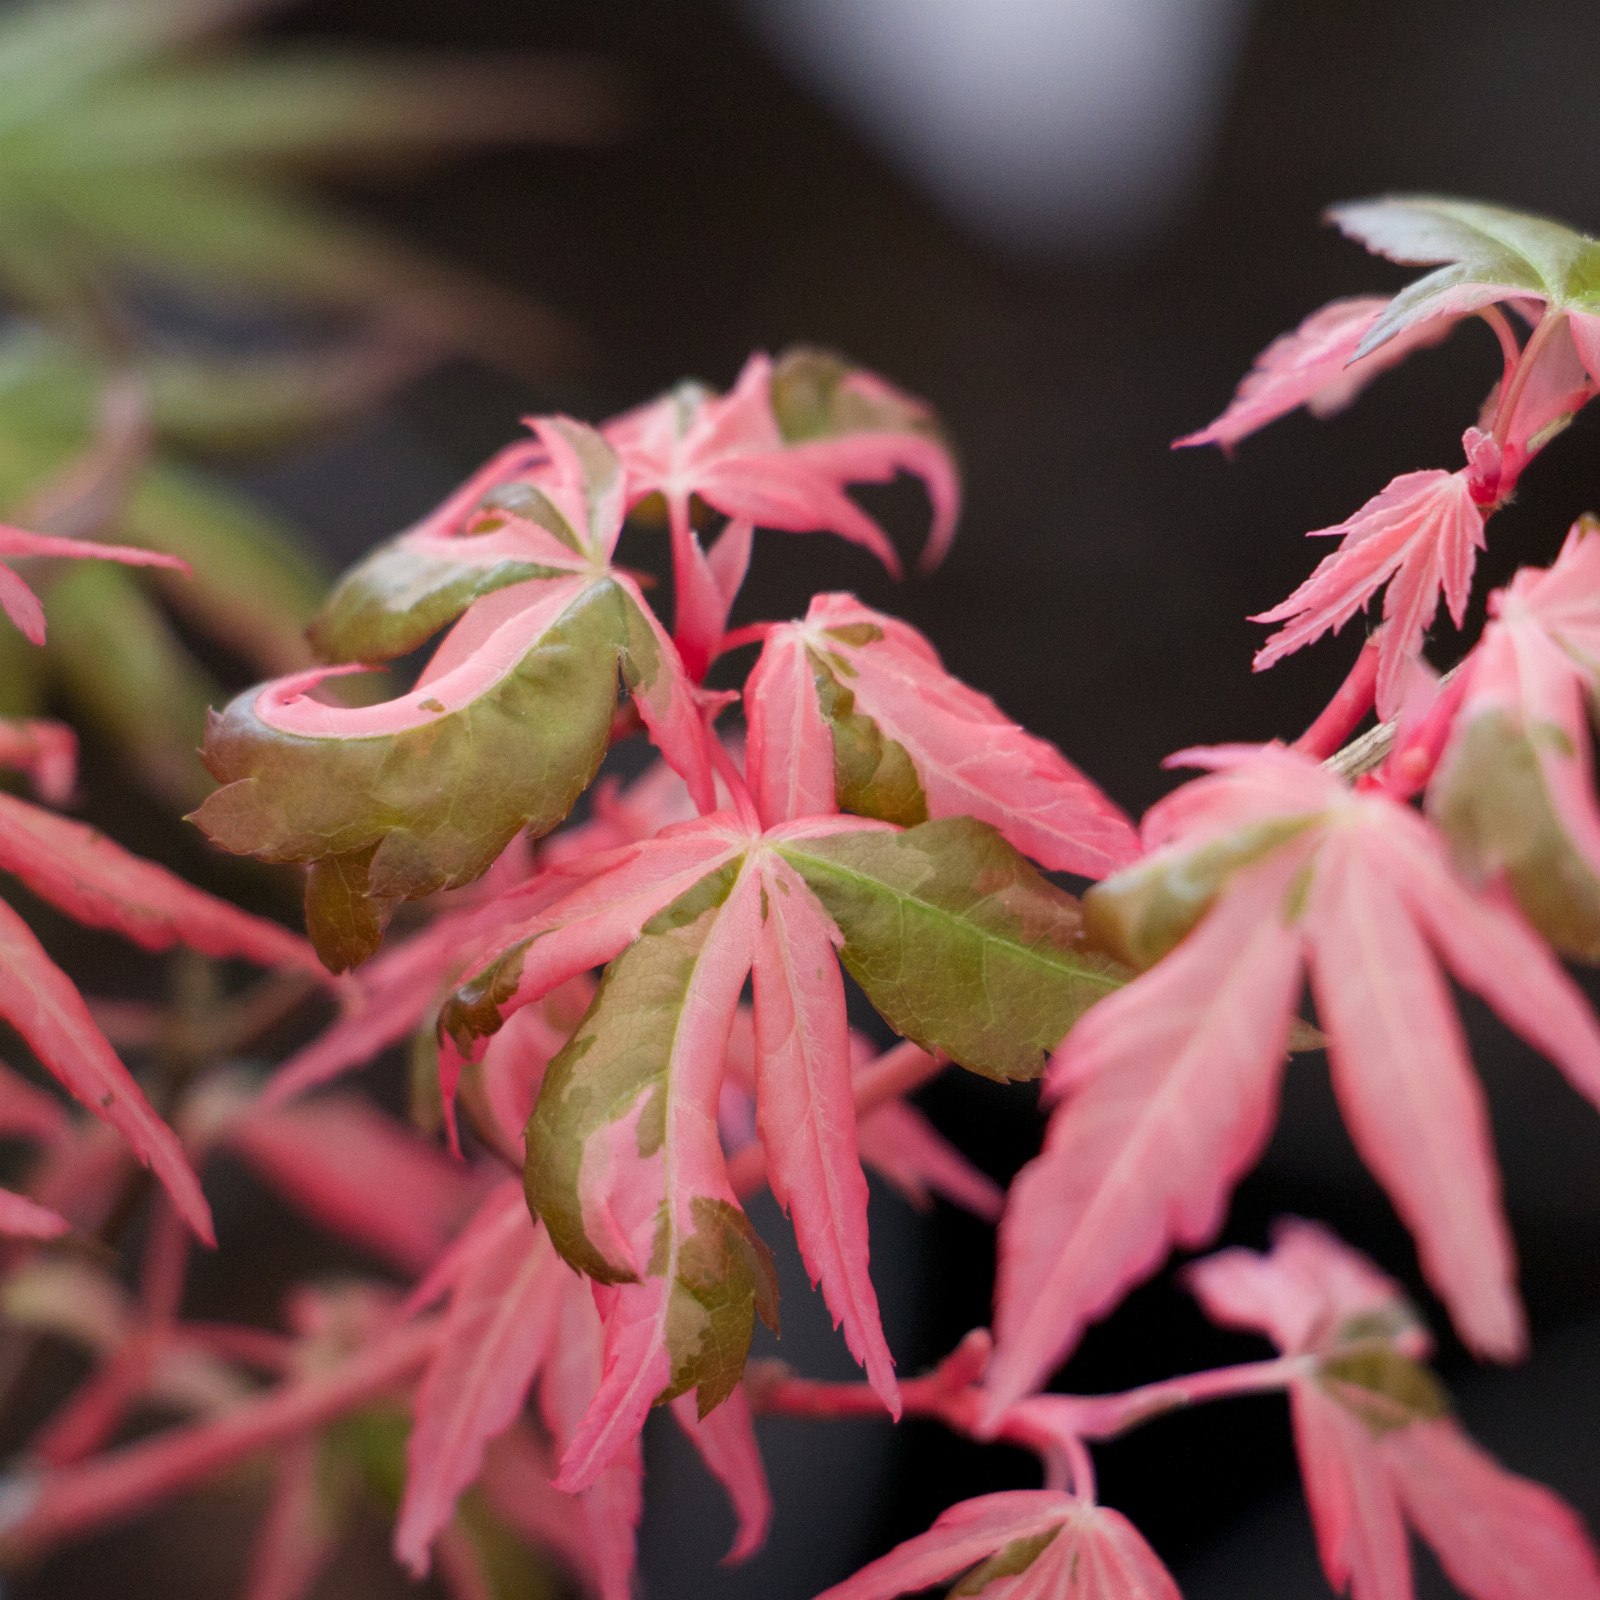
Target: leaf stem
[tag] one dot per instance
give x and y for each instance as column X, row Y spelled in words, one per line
column 1512, row 391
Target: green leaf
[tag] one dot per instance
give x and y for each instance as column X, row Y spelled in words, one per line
column 872, row 776
column 1481, row 245
column 813, row 399
column 254, row 586
column 1137, row 916
column 958, row 940
column 1492, row 803
column 128, row 675
column 398, row 597
column 435, row 803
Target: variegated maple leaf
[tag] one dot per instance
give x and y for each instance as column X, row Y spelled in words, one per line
column 1021, row 1544
column 1378, row 1448
column 852, row 710
column 1266, row 870
column 1514, row 791
column 624, row 1162
column 503, row 730
column 776, row 452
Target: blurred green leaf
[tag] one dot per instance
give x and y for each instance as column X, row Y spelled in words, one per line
column 123, row 156
column 130, row 677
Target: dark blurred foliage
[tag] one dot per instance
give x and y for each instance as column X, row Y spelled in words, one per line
column 1098, row 589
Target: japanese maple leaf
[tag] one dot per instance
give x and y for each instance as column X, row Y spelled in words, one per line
column 100, row 884
column 1514, row 790
column 519, row 1315
column 776, row 452
column 1315, row 366
column 1164, row 1093
column 359, row 1173
column 503, row 730
column 21, row 604
column 624, row 1163
column 1423, row 532
column 852, row 710
column 1021, row 1544
column 893, row 1139
column 1378, row 1449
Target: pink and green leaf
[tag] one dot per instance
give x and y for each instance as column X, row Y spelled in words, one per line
column 957, row 940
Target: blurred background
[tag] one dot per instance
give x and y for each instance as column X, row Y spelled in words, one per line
column 1070, row 224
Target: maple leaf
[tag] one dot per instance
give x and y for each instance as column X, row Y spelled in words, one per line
column 852, row 710
column 1514, row 790
column 1423, row 532
column 1315, row 366
column 503, row 730
column 45, row 752
column 624, row 1163
column 1166, row 1091
column 21, row 604
column 776, row 452
column 1378, row 1449
column 357, row 1172
column 519, row 1316
column 1020, row 1544
column 1489, row 254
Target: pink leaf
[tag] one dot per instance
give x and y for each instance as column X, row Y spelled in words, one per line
column 1422, row 532
column 22, row 1218
column 1314, row 367
column 1360, row 1535
column 298, row 1533
column 361, row 1174
column 99, row 883
column 1498, row 1536
column 1490, row 949
column 1309, row 1286
column 1170, row 1088
column 21, row 604
column 960, row 1538
column 46, row 751
column 1407, row 1091
column 726, row 1440
column 605, row 913
column 806, row 1111
column 39, row 1001
column 668, row 705
column 900, row 1144
column 27, row 1112
column 502, row 1318
column 1096, row 1553
column 789, row 753
column 612, row 1503
column 970, row 759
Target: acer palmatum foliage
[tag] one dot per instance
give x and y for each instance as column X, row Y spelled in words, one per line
column 622, row 1029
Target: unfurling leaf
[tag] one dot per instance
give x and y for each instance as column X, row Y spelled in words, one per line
column 502, row 732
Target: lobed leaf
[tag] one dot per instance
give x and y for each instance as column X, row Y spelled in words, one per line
column 625, row 1168
column 1490, row 254
column 957, row 940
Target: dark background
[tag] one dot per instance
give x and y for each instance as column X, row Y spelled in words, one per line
column 1098, row 590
